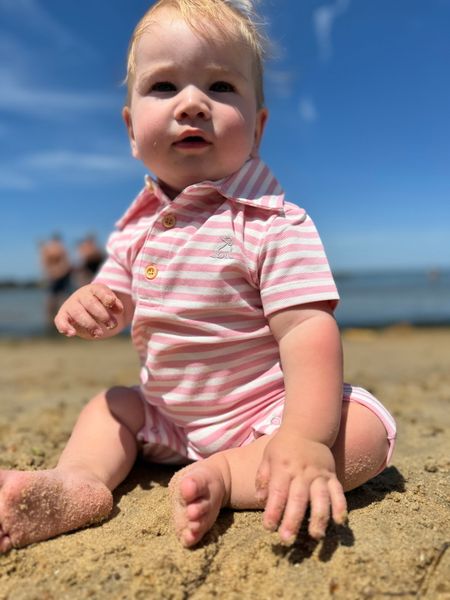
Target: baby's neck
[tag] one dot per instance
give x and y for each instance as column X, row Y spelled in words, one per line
column 169, row 191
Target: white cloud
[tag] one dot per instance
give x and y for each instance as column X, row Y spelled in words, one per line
column 323, row 19
column 22, row 97
column 11, row 179
column 18, row 56
column 69, row 161
column 32, row 16
column 64, row 165
column 25, row 88
column 280, row 82
column 307, row 109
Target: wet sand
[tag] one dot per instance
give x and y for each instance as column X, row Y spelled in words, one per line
column 395, row 545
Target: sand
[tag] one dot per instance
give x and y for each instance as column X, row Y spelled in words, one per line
column 396, row 543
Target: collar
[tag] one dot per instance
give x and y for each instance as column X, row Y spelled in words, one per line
column 254, row 185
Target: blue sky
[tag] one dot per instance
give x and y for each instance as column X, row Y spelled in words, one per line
column 359, row 129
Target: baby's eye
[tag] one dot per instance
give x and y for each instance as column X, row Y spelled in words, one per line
column 163, row 86
column 222, row 86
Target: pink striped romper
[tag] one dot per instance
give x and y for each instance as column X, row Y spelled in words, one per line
column 205, row 270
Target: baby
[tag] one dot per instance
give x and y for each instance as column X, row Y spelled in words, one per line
column 230, row 299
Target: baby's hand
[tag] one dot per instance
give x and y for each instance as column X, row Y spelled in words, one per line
column 89, row 312
column 295, row 472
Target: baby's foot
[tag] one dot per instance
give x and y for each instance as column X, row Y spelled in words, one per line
column 198, row 493
column 37, row 505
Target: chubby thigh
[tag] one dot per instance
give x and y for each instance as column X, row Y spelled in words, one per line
column 162, row 441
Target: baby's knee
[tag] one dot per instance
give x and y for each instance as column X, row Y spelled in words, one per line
column 362, row 448
column 365, row 428
column 125, row 404
column 376, row 437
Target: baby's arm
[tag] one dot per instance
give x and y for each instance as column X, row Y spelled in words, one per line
column 94, row 312
column 298, row 467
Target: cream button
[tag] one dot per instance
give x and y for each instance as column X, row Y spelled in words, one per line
column 169, row 221
column 276, row 421
column 151, row 271
column 148, row 183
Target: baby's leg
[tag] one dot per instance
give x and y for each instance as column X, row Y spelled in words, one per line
column 227, row 478
column 37, row 505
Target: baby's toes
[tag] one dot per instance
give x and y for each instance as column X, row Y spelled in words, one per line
column 197, row 510
column 190, row 489
column 5, row 541
column 192, row 533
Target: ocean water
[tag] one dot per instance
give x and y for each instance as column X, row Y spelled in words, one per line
column 22, row 312
column 383, row 299
column 367, row 300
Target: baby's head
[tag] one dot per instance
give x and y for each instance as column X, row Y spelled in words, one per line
column 233, row 20
column 195, row 108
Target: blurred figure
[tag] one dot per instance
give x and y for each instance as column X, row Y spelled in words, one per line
column 91, row 257
column 57, row 270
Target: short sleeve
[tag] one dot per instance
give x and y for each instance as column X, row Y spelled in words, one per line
column 116, row 270
column 293, row 267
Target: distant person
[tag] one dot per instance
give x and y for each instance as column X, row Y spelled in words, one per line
column 91, row 256
column 57, row 270
column 231, row 300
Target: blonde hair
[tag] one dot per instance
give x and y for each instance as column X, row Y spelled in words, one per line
column 233, row 20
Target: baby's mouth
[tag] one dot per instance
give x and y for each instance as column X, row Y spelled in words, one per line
column 192, row 141
column 193, row 138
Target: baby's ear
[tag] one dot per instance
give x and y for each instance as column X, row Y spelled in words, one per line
column 126, row 114
column 261, row 119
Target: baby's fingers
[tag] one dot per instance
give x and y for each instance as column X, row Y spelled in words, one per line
column 92, row 311
column 107, row 298
column 294, row 511
column 320, row 508
column 77, row 320
column 338, row 502
column 64, row 325
column 276, row 501
column 262, row 482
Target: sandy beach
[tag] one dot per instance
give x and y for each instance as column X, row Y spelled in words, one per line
column 395, row 545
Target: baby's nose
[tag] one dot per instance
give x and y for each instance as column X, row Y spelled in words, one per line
column 192, row 104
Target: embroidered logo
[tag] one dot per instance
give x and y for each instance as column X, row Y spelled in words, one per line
column 224, row 248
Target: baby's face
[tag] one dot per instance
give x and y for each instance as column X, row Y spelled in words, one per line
column 193, row 114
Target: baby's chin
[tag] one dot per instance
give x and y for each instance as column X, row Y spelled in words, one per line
column 190, row 172
column 172, row 190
